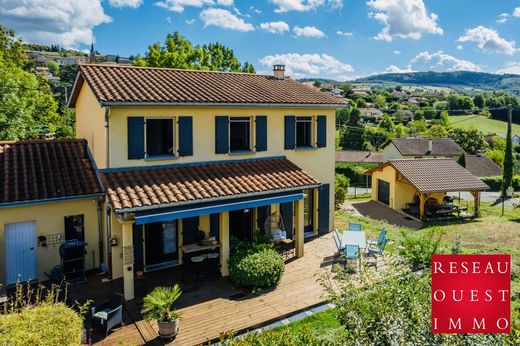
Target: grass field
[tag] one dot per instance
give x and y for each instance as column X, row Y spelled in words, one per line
column 483, row 124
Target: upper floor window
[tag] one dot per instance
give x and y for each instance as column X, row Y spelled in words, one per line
column 159, row 137
column 303, row 132
column 239, row 134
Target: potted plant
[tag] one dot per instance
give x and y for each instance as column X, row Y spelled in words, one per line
column 158, row 305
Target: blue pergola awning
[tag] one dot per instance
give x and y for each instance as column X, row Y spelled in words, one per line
column 190, row 210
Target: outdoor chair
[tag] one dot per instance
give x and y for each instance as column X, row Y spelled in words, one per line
column 110, row 314
column 337, row 240
column 354, row 227
column 351, row 253
column 374, row 242
column 374, row 251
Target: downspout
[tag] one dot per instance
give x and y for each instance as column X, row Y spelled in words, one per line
column 100, row 230
column 107, row 137
column 109, row 235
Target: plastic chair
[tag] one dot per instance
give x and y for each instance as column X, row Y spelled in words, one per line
column 379, row 240
column 354, row 227
column 351, row 253
column 379, row 250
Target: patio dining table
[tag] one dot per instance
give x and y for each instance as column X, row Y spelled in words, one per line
column 354, row 238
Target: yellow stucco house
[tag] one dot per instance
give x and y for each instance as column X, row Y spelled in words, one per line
column 185, row 155
column 401, row 183
column 50, row 195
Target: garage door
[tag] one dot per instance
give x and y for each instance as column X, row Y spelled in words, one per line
column 383, row 192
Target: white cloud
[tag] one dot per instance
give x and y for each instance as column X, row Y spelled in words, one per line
column 169, row 19
column 68, row 23
column 397, row 52
column 179, row 5
column 190, row 21
column 308, row 65
column 395, row 69
column 275, row 27
column 516, row 12
column 488, row 40
column 224, row 19
column 438, row 62
column 502, row 18
column 459, row 47
column 305, row 5
column 125, row 3
column 511, row 68
column 403, row 19
column 308, row 31
column 344, row 33
column 255, row 10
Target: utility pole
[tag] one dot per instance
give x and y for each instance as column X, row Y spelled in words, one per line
column 66, row 106
column 507, row 178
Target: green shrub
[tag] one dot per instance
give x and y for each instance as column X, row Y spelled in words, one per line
column 355, row 172
column 44, row 324
column 495, row 183
column 418, row 249
column 340, row 190
column 256, row 266
column 281, row 337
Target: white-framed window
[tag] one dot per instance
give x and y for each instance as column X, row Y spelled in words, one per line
column 240, row 134
column 160, row 137
column 304, row 131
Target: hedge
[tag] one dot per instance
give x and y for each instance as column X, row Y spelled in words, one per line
column 44, row 324
column 355, row 172
column 495, row 183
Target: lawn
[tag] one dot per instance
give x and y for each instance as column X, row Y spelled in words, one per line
column 482, row 123
column 322, row 325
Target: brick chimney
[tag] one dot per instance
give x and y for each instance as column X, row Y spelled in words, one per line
column 279, row 71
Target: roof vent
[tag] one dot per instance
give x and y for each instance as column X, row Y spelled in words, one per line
column 279, row 71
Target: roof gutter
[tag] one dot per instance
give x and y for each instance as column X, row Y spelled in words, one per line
column 205, row 200
column 221, row 105
column 50, row 200
column 107, row 137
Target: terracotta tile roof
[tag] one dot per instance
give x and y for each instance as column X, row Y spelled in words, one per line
column 130, row 84
column 482, row 166
column 194, row 183
column 359, row 156
column 37, row 170
column 419, row 146
column 435, row 175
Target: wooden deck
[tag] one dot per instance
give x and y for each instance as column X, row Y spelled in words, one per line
column 218, row 307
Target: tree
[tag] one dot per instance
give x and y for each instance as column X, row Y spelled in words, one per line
column 342, row 116
column 462, row 160
column 437, row 131
column 507, row 179
column 479, row 100
column 347, row 88
column 53, row 67
column 470, row 140
column 387, row 124
column 497, row 156
column 354, row 136
column 27, row 107
column 361, row 103
column 341, row 190
column 444, row 118
column 380, row 101
column 179, row 52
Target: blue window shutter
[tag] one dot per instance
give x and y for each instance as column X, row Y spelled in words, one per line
column 138, row 247
column 135, row 138
column 290, row 132
column 221, row 134
column 261, row 133
column 322, row 131
column 323, row 208
column 185, row 136
column 286, row 210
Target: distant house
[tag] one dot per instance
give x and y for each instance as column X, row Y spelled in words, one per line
column 414, row 100
column 482, row 166
column 398, row 94
column 336, row 92
column 403, row 114
column 433, row 94
column 515, row 139
column 407, row 148
column 371, row 113
column 359, row 156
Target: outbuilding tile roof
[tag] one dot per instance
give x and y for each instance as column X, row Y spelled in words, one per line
column 420, row 146
column 482, row 166
column 359, row 156
column 131, row 84
column 435, row 175
column 32, row 171
column 144, row 187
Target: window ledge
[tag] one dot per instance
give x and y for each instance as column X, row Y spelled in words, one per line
column 161, row 158
column 241, row 152
column 305, row 148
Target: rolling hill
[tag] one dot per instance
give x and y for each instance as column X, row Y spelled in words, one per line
column 456, row 80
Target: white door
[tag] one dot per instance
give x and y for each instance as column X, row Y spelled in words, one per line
column 20, row 241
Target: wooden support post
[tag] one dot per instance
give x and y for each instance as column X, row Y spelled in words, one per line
column 224, row 243
column 299, row 227
column 422, row 201
column 128, row 259
column 476, row 202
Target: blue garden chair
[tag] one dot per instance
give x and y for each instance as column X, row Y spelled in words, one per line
column 379, row 241
column 351, row 253
column 337, row 240
column 354, row 227
column 374, row 251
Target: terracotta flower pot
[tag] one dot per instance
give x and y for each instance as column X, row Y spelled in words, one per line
column 169, row 329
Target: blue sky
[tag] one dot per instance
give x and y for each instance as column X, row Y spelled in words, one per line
column 341, row 39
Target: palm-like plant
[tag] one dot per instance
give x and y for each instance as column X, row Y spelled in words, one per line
column 157, row 304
